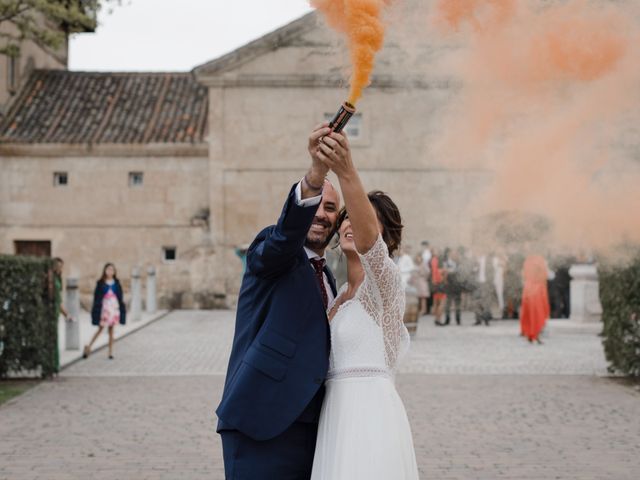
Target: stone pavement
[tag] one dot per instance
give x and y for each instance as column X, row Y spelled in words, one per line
column 149, row 413
column 87, row 330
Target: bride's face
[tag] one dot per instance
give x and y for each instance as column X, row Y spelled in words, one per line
column 346, row 235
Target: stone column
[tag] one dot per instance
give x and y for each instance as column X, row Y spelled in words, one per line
column 151, row 289
column 72, row 303
column 585, row 295
column 136, row 295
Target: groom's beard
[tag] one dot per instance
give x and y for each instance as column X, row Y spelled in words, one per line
column 319, row 241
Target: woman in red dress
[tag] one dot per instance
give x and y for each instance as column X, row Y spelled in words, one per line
column 534, row 311
column 437, row 286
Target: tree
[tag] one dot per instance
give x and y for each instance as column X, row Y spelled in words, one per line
column 46, row 22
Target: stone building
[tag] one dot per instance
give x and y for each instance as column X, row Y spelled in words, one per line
column 109, row 167
column 177, row 169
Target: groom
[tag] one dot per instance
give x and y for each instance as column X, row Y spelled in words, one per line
column 268, row 416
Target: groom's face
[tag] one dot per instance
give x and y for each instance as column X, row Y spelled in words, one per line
column 324, row 222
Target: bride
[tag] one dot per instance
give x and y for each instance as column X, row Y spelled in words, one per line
column 364, row 432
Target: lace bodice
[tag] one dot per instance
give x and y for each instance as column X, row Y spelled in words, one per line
column 367, row 331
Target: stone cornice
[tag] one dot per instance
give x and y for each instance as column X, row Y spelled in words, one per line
column 329, row 81
column 58, row 150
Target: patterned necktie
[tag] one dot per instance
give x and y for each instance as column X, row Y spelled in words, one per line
column 318, row 265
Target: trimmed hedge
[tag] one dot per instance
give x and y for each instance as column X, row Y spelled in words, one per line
column 28, row 317
column 620, row 299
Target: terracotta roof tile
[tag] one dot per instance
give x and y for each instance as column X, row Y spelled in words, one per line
column 85, row 107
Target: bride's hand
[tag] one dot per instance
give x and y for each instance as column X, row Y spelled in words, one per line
column 335, row 153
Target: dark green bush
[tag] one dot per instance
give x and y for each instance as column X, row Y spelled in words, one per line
column 28, row 320
column 620, row 298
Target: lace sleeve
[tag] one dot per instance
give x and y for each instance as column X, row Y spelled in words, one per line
column 384, row 299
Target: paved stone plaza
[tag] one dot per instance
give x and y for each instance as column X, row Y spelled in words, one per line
column 483, row 405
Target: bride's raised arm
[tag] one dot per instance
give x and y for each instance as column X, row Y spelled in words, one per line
column 334, row 151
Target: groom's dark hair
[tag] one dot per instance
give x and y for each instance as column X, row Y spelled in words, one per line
column 389, row 216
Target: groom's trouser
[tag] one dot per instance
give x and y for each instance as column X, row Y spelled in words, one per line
column 289, row 456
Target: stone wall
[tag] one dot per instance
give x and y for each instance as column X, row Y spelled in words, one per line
column 98, row 217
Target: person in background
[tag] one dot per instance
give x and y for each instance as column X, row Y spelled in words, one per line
column 426, row 260
column 108, row 307
column 58, row 265
column 499, row 261
column 420, row 282
column 484, row 290
column 560, row 291
column 513, row 282
column 466, row 276
column 437, row 286
column 453, row 286
column 534, row 311
column 406, row 265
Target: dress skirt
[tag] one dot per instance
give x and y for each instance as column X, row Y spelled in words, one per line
column 364, row 433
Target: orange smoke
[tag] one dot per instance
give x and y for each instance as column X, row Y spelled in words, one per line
column 481, row 14
column 360, row 21
column 548, row 104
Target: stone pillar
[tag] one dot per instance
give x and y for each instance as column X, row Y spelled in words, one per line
column 136, row 295
column 585, row 295
column 72, row 303
column 151, row 289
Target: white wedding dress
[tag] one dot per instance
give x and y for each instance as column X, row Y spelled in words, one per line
column 364, row 432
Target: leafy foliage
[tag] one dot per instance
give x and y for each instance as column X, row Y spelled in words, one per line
column 620, row 298
column 28, row 320
column 46, row 22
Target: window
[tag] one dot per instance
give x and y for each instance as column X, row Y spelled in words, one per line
column 169, row 254
column 354, row 126
column 60, row 179
column 136, row 179
column 12, row 73
column 38, row 248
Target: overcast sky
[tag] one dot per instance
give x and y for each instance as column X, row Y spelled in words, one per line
column 176, row 35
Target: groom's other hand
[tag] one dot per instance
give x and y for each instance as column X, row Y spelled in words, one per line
column 314, row 179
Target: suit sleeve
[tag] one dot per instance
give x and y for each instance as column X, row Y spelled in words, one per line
column 274, row 250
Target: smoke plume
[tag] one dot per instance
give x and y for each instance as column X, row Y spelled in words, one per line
column 360, row 21
column 549, row 102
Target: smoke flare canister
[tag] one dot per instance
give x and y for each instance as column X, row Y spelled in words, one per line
column 341, row 118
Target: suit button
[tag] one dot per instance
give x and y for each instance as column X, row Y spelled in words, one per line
column 319, row 381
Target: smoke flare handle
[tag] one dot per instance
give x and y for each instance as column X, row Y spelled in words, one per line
column 341, row 118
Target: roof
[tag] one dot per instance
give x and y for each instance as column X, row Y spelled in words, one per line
column 57, row 106
column 267, row 43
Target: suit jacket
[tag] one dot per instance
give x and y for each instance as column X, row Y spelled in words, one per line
column 280, row 352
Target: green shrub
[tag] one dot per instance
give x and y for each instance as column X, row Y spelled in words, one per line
column 28, row 320
column 620, row 298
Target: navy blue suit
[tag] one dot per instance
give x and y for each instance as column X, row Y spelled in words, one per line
column 274, row 386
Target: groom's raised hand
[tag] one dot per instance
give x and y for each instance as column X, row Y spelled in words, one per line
column 314, row 179
column 335, row 153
